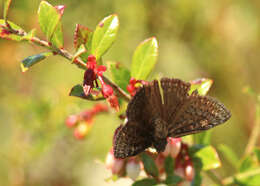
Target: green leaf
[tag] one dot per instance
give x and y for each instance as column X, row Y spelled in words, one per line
column 80, row 51
column 32, row 60
column 120, row 75
column 201, row 85
column 6, row 7
column 149, row 165
column 145, row 182
column 5, row 35
column 249, row 178
column 197, row 180
column 229, row 154
column 104, row 35
column 246, row 164
column 257, row 153
column 57, row 37
column 49, row 20
column 77, row 91
column 144, row 58
column 169, row 165
column 208, row 157
column 202, row 138
column 172, row 179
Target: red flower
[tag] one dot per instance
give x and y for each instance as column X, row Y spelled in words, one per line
column 133, row 86
column 94, row 73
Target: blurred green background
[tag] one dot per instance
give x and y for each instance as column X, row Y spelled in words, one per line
column 213, row 39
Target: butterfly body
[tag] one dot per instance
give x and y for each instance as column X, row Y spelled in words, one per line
column 165, row 109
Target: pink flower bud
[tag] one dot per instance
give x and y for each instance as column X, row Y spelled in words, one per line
column 133, row 168
column 179, row 171
column 189, row 170
column 100, row 108
column 116, row 165
column 113, row 101
column 173, row 147
column 81, row 131
column 107, row 90
column 91, row 58
column 71, row 120
column 175, row 144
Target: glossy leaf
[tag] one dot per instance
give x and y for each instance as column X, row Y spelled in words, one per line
column 49, row 20
column 57, row 37
column 32, row 60
column 229, row 154
column 6, row 7
column 208, row 157
column 104, row 35
column 120, row 74
column 169, row 165
column 201, row 85
column 145, row 182
column 144, row 59
column 7, row 35
column 77, row 91
column 173, row 179
column 149, row 165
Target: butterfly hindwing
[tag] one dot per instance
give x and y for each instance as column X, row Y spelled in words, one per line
column 130, row 139
column 198, row 113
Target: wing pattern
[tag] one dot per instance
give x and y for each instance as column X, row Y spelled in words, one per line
column 179, row 113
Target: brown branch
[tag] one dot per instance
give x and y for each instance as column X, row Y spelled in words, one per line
column 64, row 53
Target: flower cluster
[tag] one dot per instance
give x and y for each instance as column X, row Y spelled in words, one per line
column 131, row 167
column 178, row 150
column 94, row 73
column 83, row 121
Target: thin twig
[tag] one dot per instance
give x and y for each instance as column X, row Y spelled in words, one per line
column 231, row 180
column 64, row 53
column 255, row 132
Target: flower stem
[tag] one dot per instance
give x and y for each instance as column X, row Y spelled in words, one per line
column 64, row 53
column 231, row 180
column 255, row 132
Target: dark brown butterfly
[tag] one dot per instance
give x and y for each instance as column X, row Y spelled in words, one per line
column 152, row 117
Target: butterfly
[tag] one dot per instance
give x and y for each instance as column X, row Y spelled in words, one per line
column 165, row 109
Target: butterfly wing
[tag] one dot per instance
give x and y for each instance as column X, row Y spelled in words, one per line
column 197, row 114
column 146, row 104
column 175, row 92
column 130, row 140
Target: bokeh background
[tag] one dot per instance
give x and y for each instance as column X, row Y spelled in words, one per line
column 214, row 39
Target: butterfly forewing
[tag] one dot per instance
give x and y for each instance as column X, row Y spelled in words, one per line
column 198, row 113
column 175, row 92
